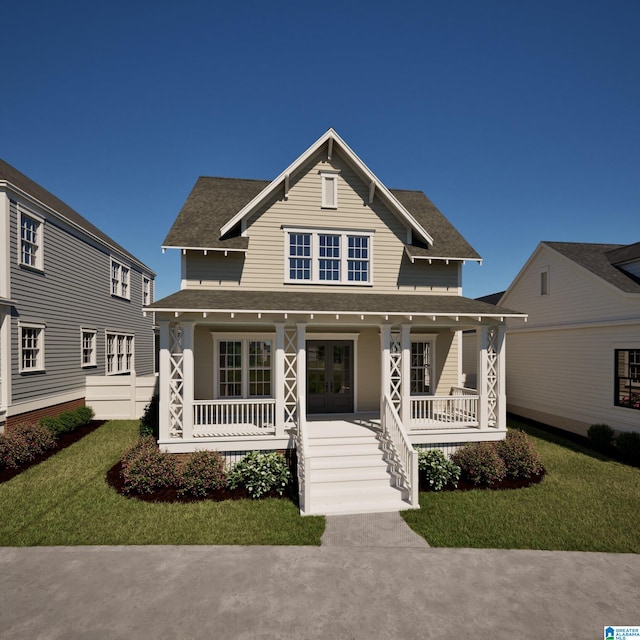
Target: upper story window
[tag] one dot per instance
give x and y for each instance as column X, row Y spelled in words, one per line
column 147, row 297
column 31, row 348
column 329, row 190
column 335, row 257
column 627, row 380
column 544, row 282
column 120, row 276
column 31, row 240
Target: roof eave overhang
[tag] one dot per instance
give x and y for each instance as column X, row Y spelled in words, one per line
column 224, row 250
column 335, row 139
column 446, row 259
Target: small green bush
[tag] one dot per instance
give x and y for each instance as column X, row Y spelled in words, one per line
column 204, row 472
column 480, row 463
column 260, row 473
column 23, row 443
column 145, row 468
column 520, row 458
column 628, row 446
column 150, row 421
column 68, row 421
column 601, row 437
column 436, row 469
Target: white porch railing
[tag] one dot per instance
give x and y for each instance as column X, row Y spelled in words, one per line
column 239, row 417
column 458, row 410
column 302, row 450
column 398, row 452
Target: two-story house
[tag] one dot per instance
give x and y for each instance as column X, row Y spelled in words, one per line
column 323, row 311
column 70, row 303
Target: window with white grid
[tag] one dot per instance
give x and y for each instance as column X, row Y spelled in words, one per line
column 31, row 348
column 31, row 241
column 88, row 337
column 328, row 257
column 119, row 353
column 120, row 276
column 421, row 368
column 146, row 291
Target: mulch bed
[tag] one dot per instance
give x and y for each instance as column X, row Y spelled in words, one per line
column 507, row 483
column 170, row 494
column 63, row 441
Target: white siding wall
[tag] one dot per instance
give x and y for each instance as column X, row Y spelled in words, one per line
column 560, row 365
column 264, row 264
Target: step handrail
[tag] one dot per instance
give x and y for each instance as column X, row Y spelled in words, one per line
column 401, row 455
column 302, row 447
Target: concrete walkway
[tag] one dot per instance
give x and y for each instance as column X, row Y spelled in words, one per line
column 162, row 593
column 371, row 530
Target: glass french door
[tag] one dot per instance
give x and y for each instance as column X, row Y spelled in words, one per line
column 329, row 376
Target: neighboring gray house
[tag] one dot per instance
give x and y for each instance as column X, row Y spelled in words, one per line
column 70, row 303
column 576, row 362
column 322, row 311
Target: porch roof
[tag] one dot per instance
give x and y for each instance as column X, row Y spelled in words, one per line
column 323, row 303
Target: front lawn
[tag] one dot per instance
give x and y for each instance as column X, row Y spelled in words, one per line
column 66, row 501
column 586, row 502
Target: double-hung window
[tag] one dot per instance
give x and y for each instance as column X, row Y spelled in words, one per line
column 244, row 368
column 31, row 240
column 88, row 352
column 146, row 291
column 328, row 257
column 31, row 348
column 421, row 368
column 120, row 275
column 119, row 353
column 627, row 380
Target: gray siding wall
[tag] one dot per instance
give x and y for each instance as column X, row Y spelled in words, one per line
column 72, row 292
column 263, row 266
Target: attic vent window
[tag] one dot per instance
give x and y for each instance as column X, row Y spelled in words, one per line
column 329, row 190
column 544, row 282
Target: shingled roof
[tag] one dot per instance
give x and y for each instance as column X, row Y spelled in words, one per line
column 596, row 258
column 239, row 301
column 214, row 201
column 20, row 182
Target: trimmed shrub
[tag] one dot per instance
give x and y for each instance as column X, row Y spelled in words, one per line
column 145, row 468
column 436, row 469
column 260, row 473
column 23, row 443
column 150, row 421
column 205, row 472
column 520, row 458
column 628, row 446
column 68, row 421
column 480, row 463
column 601, row 437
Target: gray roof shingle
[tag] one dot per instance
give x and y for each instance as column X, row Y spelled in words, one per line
column 14, row 177
column 214, row 201
column 596, row 259
column 307, row 302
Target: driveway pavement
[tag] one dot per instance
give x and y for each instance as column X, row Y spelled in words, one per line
column 330, row 592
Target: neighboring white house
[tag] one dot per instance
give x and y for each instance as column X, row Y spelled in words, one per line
column 576, row 362
column 322, row 311
column 70, row 304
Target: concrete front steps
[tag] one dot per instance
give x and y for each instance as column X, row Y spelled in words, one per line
column 346, row 472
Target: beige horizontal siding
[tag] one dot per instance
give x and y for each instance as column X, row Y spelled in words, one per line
column 264, row 265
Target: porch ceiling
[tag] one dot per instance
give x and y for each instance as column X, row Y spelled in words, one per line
column 333, row 305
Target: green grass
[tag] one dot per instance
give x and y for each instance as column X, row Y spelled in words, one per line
column 586, row 502
column 66, row 501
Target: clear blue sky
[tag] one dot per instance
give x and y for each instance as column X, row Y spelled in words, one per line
column 520, row 119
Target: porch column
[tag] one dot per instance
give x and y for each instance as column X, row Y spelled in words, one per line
column 385, row 361
column 501, row 346
column 482, row 385
column 279, row 381
column 163, row 382
column 301, row 368
column 405, row 408
column 187, row 378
